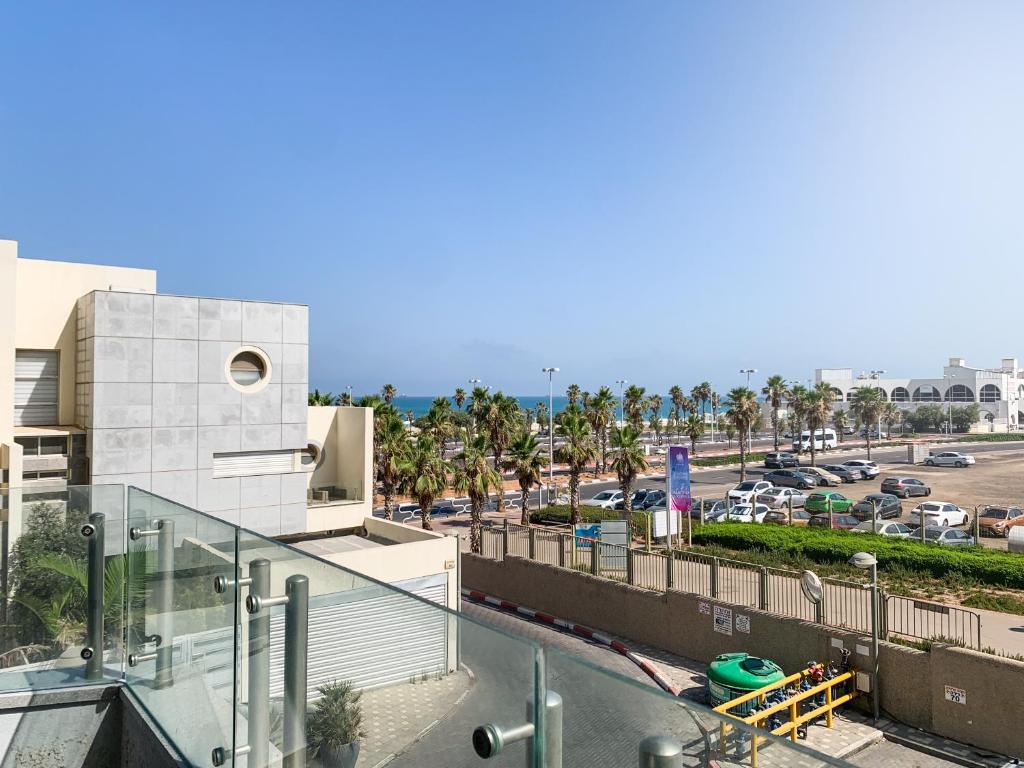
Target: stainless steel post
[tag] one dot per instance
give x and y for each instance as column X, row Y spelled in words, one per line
column 552, row 731
column 670, row 571
column 164, row 677
column 629, row 565
column 561, row 551
column 763, row 588
column 714, row 577
column 531, row 534
column 296, row 630
column 660, row 752
column 595, row 557
column 259, row 669
column 93, row 651
column 874, row 642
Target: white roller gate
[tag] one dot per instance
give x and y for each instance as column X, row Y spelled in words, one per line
column 36, row 373
column 370, row 636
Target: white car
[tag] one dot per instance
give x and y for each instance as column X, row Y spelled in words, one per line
column 604, row 500
column 744, row 513
column 896, row 530
column 868, row 469
column 940, row 513
column 745, row 492
column 778, row 498
column 949, row 459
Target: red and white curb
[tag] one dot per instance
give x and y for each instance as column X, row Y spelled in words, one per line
column 578, row 629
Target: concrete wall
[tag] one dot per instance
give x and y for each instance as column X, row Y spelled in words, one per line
column 157, row 402
column 912, row 685
column 345, row 437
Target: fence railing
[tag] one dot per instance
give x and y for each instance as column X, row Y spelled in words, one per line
column 845, row 604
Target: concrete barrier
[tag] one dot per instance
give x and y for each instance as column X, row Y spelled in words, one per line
column 913, row 682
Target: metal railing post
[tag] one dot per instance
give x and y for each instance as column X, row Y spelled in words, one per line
column 714, row 577
column 561, row 550
column 551, row 728
column 504, row 539
column 165, row 605
column 93, row 650
column 629, row 565
column 763, row 584
column 259, row 668
column 296, row 630
column 670, row 571
column 595, row 557
column 660, row 752
column 532, row 541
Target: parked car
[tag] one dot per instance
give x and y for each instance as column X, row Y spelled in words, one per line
column 638, row 499
column 791, row 478
column 947, row 537
column 712, row 507
column 905, row 487
column 781, row 517
column 949, row 459
column 839, row 522
column 824, row 477
column 604, row 500
column 819, row 501
column 896, row 530
column 824, row 439
column 744, row 513
column 939, row 513
column 868, row 469
column 654, row 498
column 846, row 474
column 747, row 490
column 881, row 504
column 997, row 521
column 781, row 460
column 781, row 497
column 875, row 435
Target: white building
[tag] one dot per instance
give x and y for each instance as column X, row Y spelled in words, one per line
column 998, row 392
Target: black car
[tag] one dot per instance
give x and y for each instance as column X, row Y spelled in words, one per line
column 637, row 499
column 883, row 504
column 654, row 499
column 790, row 478
column 846, row 474
column 780, row 460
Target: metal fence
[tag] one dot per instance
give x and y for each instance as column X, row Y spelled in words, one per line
column 845, row 604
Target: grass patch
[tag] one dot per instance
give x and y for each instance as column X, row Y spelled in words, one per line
column 991, row 437
column 559, row 514
column 990, row 602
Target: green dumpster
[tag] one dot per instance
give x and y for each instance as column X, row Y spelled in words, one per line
column 732, row 675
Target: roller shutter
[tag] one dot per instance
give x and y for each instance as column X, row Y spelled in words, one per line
column 250, row 463
column 36, row 377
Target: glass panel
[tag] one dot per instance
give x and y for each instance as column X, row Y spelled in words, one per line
column 422, row 677
column 181, row 630
column 45, row 571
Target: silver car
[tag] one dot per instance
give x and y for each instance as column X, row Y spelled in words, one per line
column 896, row 530
column 947, row 537
column 867, row 469
column 949, row 459
column 777, row 498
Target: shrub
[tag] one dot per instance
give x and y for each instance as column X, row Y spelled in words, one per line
column 337, row 717
column 992, row 437
column 987, row 566
column 560, row 514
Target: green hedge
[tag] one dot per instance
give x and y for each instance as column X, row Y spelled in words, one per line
column 732, row 458
column 992, row 437
column 989, row 566
column 560, row 514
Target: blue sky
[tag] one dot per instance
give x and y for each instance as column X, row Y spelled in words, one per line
column 664, row 191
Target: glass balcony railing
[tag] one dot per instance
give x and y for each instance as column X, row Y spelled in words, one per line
column 248, row 652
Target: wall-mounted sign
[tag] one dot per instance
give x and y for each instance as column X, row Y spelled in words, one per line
column 743, row 624
column 723, row 620
column 956, row 695
column 704, row 607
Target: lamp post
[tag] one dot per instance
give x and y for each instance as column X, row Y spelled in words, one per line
column 349, row 390
column 868, row 562
column 622, row 401
column 551, row 429
column 874, row 376
column 749, row 371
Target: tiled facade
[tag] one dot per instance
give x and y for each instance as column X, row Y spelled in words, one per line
column 153, row 394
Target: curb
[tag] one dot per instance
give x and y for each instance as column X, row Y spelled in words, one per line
column 578, row 629
column 937, row 752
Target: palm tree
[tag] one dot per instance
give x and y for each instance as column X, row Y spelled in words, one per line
column 440, row 423
column 460, row 397
column 633, row 405
column 798, row 395
column 694, row 429
column 326, row 398
column 501, row 423
column 866, row 406
column 629, row 462
column 542, row 414
column 840, row 422
column 726, row 425
column 716, row 401
column 391, row 444
column 775, row 391
column 744, row 412
column 475, row 477
column 478, row 400
column 654, row 403
column 345, row 399
column 526, row 461
column 424, row 475
column 388, row 393
column 572, row 393
column 678, row 399
column 601, row 413
column 578, row 449
column 701, row 395
column 819, row 408
column 891, row 416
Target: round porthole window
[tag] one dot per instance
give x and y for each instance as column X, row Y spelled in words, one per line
column 311, row 456
column 248, row 369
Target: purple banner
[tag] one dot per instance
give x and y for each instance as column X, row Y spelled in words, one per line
column 678, row 468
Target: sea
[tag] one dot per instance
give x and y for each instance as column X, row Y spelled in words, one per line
column 420, row 405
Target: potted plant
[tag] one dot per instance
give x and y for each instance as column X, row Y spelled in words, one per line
column 336, row 725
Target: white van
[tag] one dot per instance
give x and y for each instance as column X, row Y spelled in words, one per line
column 823, row 440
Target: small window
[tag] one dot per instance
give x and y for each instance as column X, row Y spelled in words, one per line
column 53, row 446
column 247, row 369
column 311, row 456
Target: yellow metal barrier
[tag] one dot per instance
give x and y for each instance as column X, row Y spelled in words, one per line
column 791, row 706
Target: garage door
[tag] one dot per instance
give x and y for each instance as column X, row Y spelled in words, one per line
column 35, row 388
column 370, row 636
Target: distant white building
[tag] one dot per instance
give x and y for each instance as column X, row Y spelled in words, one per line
column 998, row 392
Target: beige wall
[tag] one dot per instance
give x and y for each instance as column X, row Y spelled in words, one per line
column 912, row 685
column 8, row 285
column 47, row 295
column 346, row 435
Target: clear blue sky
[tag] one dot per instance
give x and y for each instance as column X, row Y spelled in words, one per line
column 665, row 191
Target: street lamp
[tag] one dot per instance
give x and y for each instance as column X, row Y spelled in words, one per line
column 868, row 562
column 349, row 390
column 622, row 403
column 878, row 428
column 749, row 371
column 551, row 429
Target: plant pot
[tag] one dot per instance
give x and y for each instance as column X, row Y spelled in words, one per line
column 343, row 756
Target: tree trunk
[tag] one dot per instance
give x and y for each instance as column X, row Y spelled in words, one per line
column 525, row 504
column 389, row 500
column 574, row 495
column 743, row 455
column 500, row 506
column 867, row 434
column 775, row 427
column 626, row 484
column 811, row 429
column 425, row 517
column 476, row 527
